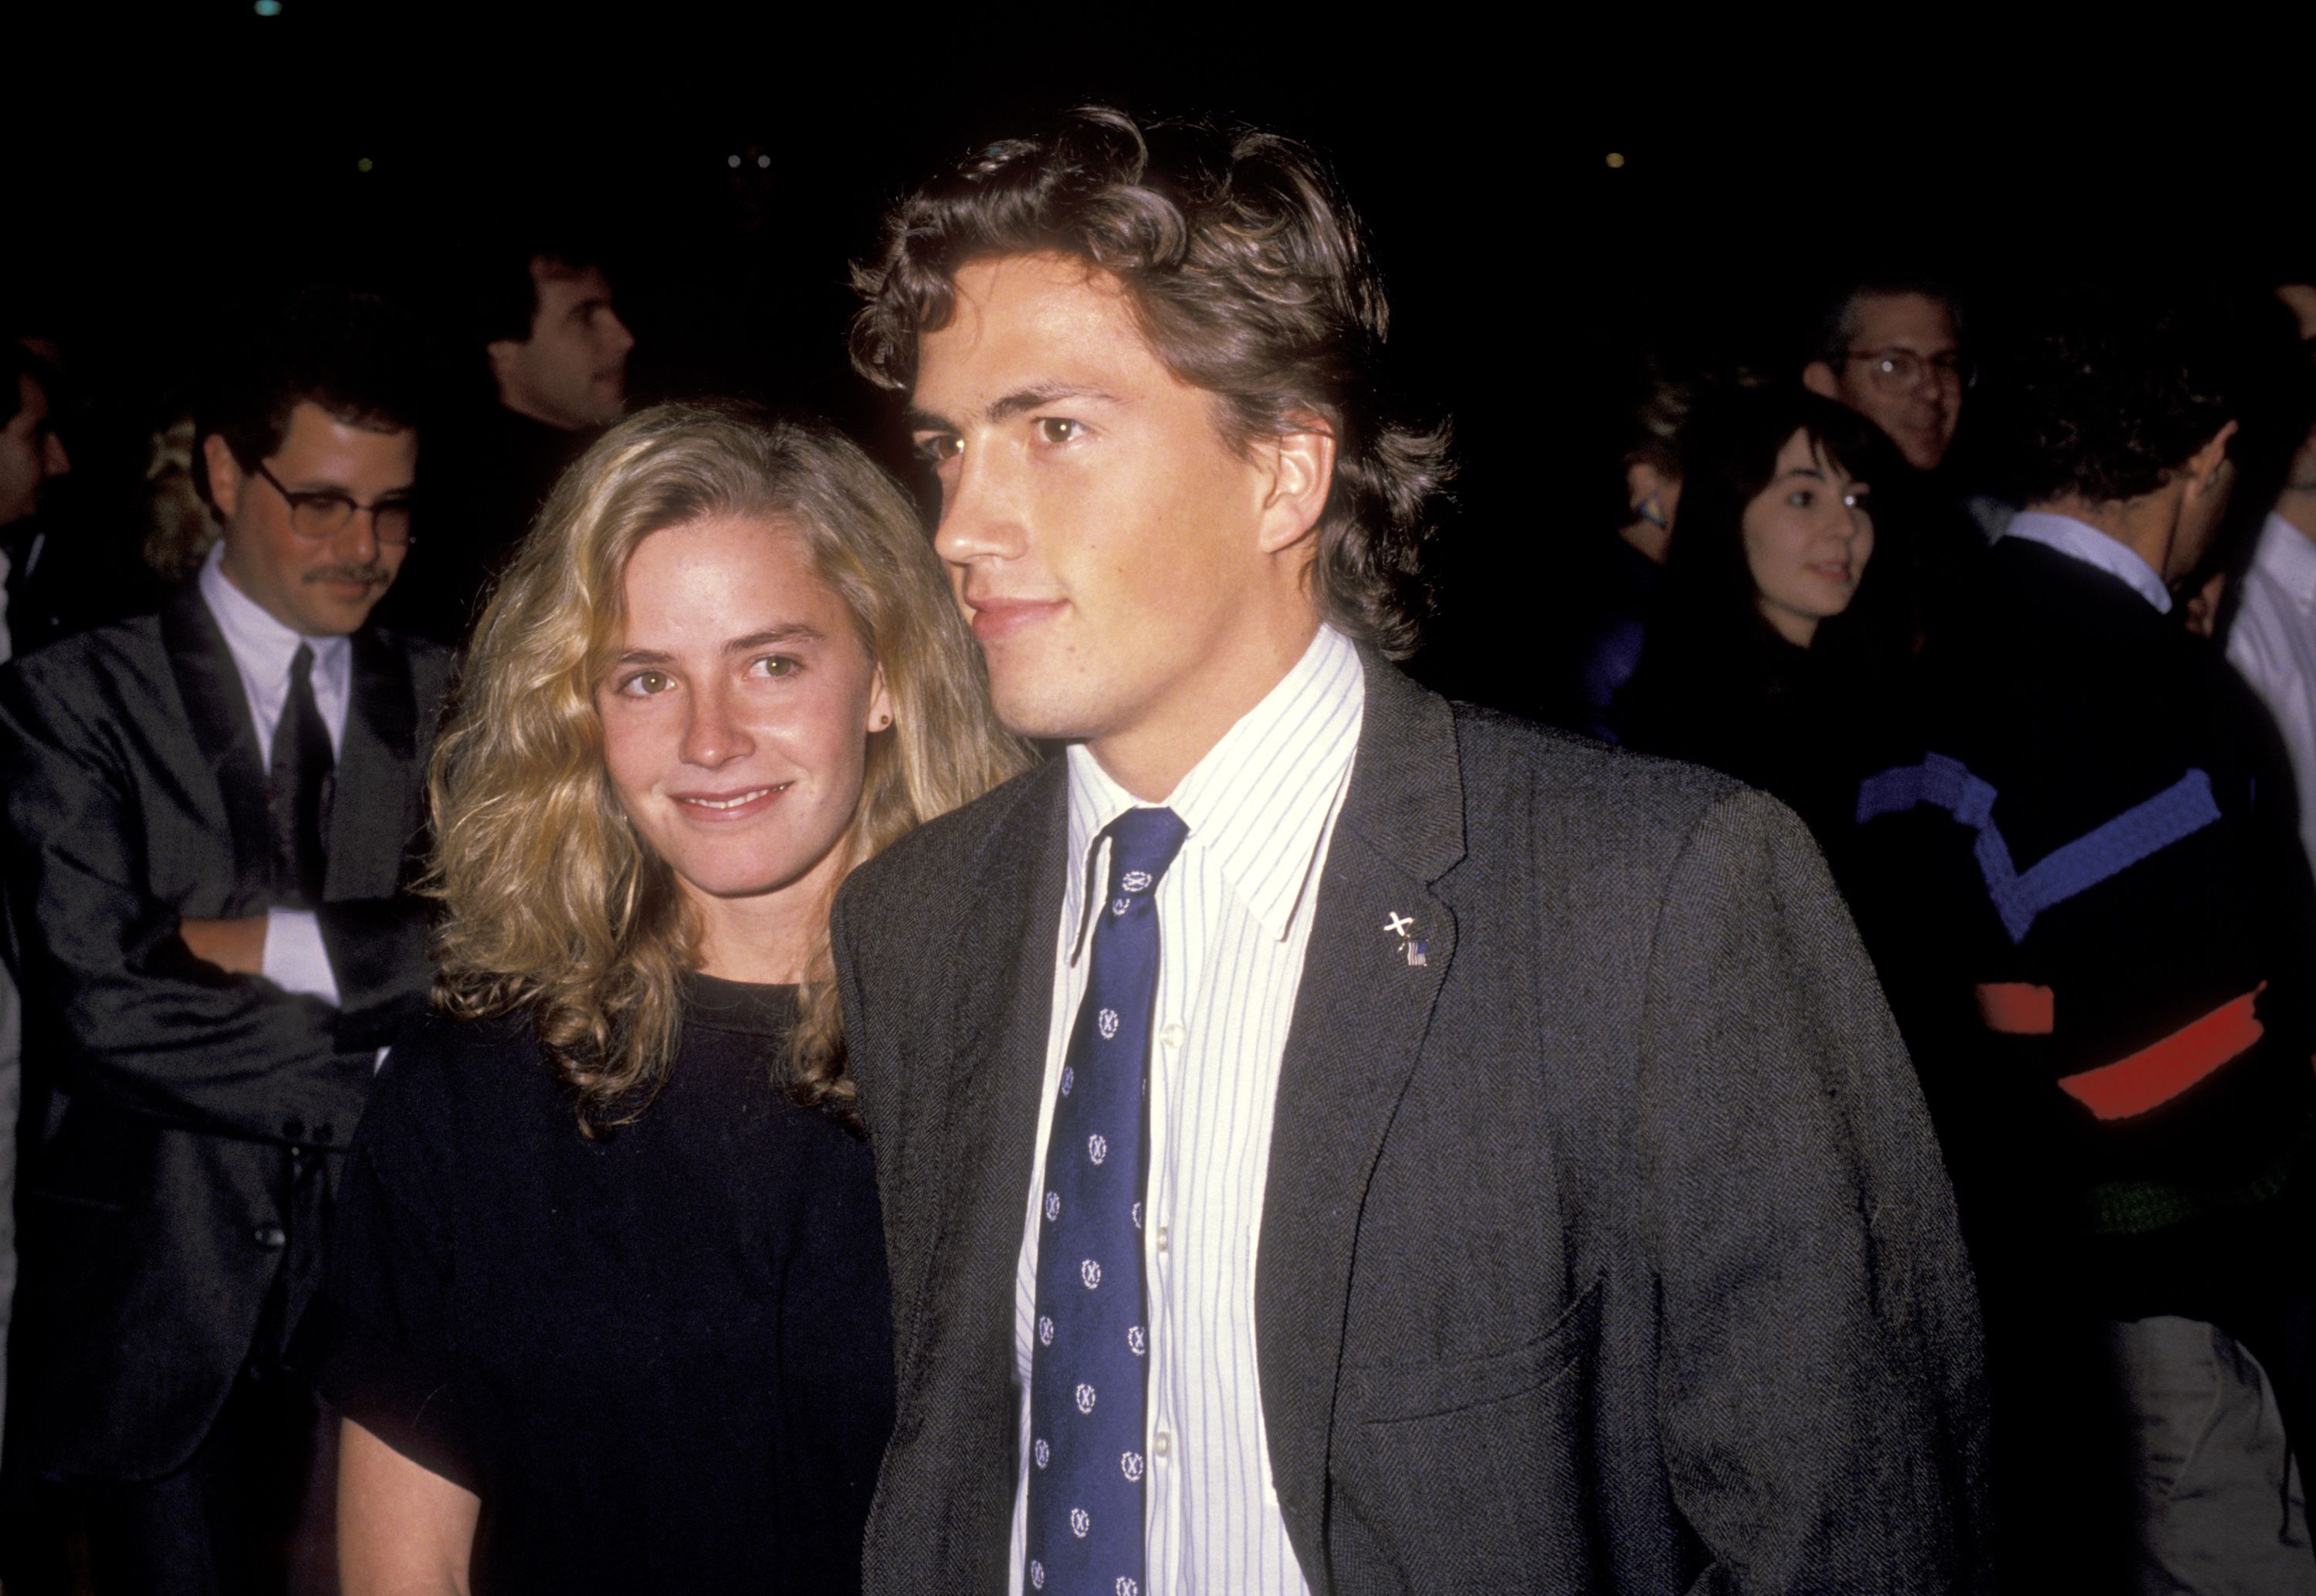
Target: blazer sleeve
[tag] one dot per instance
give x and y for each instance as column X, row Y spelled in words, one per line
column 1816, row 1301
column 145, row 1025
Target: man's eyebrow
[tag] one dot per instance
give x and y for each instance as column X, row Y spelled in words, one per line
column 1012, row 405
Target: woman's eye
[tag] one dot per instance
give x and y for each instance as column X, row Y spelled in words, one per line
column 1058, row 429
column 1801, row 499
column 774, row 665
column 643, row 684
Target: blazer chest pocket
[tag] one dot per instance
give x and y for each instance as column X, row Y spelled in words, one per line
column 1469, row 1474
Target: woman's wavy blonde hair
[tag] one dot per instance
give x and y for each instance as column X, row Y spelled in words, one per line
column 555, row 903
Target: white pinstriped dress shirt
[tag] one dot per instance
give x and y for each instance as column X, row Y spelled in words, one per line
column 1234, row 915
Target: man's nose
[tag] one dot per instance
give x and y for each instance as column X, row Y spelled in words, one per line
column 54, row 461
column 617, row 339
column 979, row 519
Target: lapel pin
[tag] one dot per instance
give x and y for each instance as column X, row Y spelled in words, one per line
column 1398, row 925
column 1415, row 953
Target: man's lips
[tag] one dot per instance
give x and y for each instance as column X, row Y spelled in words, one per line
column 993, row 618
column 728, row 806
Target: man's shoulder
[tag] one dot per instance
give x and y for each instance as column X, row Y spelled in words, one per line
column 431, row 664
column 1004, row 831
column 1566, row 790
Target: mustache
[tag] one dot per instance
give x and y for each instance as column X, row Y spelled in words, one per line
column 374, row 574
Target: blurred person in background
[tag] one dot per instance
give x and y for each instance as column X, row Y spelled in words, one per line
column 1782, row 621
column 212, row 811
column 2271, row 637
column 2077, row 868
column 1891, row 351
column 1612, row 582
column 531, row 310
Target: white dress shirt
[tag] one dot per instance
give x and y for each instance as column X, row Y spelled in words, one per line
column 262, row 649
column 1234, row 916
column 2273, row 646
column 2092, row 547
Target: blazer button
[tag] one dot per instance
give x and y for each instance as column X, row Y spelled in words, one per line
column 273, row 1237
column 293, row 1128
column 325, row 1135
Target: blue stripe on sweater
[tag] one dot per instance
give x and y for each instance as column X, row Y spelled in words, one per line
column 2182, row 809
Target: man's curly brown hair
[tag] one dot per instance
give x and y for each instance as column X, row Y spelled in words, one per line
column 1249, row 279
column 2116, row 396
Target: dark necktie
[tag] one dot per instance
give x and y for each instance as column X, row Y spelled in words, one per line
column 298, row 789
column 1088, row 1381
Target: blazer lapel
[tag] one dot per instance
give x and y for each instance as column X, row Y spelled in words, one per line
column 1360, row 1016
column 216, row 709
column 956, row 1322
column 367, row 839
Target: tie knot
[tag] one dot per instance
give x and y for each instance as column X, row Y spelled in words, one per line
column 1141, row 843
column 302, row 664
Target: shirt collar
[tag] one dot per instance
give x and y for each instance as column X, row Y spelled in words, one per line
column 2289, row 559
column 1259, row 802
column 2084, row 542
column 261, row 646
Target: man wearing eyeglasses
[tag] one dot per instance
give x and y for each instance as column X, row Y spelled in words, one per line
column 212, row 816
column 1893, row 354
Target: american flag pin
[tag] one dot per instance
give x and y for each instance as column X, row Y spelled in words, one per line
column 1415, row 953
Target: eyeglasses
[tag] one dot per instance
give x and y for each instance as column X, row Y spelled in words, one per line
column 325, row 514
column 1898, row 370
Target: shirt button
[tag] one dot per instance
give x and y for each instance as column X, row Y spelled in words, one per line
column 293, row 1130
column 1171, row 1035
column 1162, row 1444
column 1161, row 1238
column 273, row 1237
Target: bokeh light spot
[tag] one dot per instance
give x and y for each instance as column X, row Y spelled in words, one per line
column 763, row 161
column 731, row 160
column 1615, row 159
column 268, row 8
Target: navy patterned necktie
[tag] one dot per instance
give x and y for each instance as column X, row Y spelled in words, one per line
column 1087, row 1383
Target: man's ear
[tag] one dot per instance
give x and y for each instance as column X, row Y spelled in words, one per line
column 2204, row 465
column 502, row 353
column 226, row 477
column 1301, row 468
column 1817, row 376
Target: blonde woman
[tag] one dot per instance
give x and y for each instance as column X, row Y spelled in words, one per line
column 608, row 1309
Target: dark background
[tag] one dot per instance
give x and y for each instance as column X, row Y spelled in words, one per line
column 169, row 174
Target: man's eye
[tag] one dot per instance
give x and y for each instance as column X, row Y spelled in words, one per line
column 940, row 446
column 775, row 666
column 1058, row 429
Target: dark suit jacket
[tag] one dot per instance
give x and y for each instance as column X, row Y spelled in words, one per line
column 182, row 1125
column 1607, row 1250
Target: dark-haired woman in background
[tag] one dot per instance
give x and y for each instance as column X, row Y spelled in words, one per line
column 607, row 1308
column 1784, row 619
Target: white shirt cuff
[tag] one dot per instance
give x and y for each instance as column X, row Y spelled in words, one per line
column 294, row 959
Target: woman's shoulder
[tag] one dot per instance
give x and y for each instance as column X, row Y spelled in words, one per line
column 447, row 1065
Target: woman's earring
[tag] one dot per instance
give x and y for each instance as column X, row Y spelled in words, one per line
column 883, row 721
column 1651, row 511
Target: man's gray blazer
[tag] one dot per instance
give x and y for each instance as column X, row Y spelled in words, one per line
column 182, row 1125
column 1608, row 1249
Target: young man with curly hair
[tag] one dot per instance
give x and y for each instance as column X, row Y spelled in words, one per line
column 2079, row 877
column 1331, row 1138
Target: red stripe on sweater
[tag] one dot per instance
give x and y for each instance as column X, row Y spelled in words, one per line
column 2017, row 1008
column 2155, row 1075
